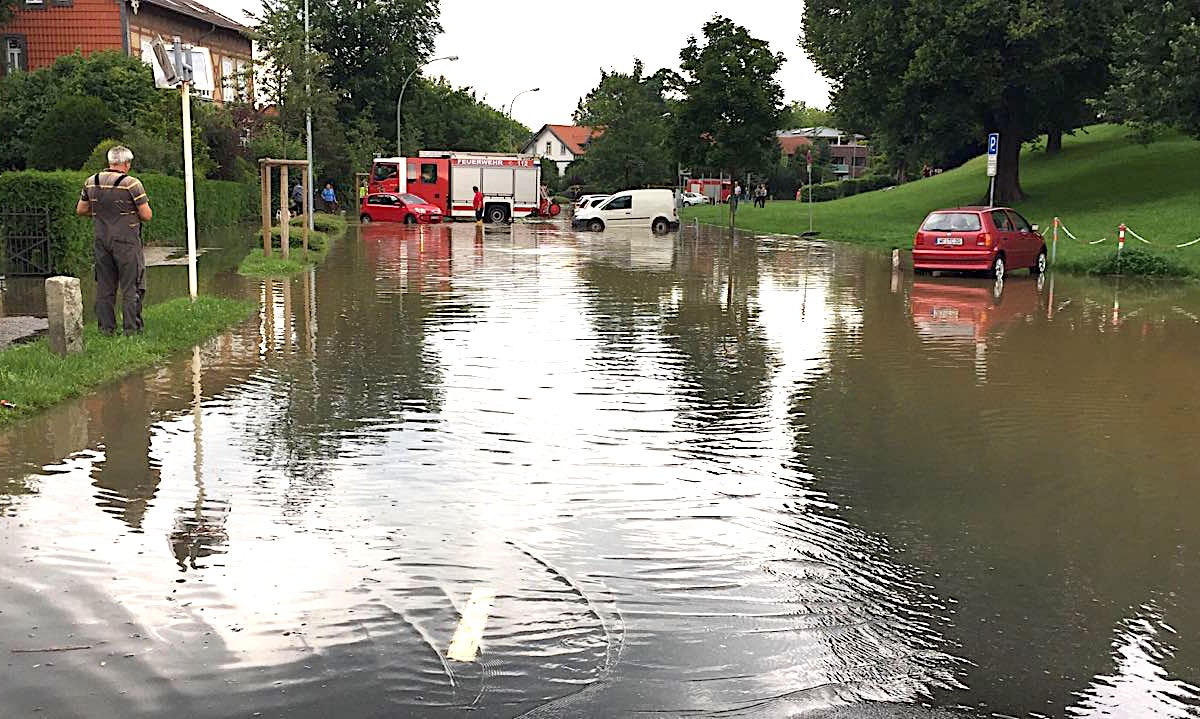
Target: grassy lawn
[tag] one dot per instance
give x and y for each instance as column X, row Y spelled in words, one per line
column 33, row 378
column 325, row 229
column 1100, row 180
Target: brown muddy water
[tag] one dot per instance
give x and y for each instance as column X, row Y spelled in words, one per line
column 670, row 476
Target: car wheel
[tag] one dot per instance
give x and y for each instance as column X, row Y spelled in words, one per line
column 1039, row 267
column 660, row 226
column 596, row 226
column 998, row 267
column 497, row 214
column 410, row 220
column 365, row 219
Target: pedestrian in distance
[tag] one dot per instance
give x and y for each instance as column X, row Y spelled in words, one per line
column 329, row 197
column 297, row 204
column 118, row 205
column 737, row 192
column 477, row 204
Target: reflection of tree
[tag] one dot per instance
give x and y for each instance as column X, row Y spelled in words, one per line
column 372, row 309
column 127, row 478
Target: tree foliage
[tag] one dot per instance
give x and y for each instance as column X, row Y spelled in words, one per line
column 730, row 112
column 634, row 147
column 68, row 132
column 930, row 76
column 801, row 114
column 1156, row 69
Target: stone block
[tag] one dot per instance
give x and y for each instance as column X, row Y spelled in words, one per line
column 64, row 313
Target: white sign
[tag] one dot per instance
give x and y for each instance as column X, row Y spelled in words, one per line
column 202, row 69
column 993, row 153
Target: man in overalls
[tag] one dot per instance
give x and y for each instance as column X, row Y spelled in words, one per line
column 118, row 206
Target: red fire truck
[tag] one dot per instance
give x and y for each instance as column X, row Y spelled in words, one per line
column 511, row 184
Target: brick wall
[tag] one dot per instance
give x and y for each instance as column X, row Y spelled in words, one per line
column 53, row 29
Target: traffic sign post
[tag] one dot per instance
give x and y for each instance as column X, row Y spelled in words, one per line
column 177, row 71
column 993, row 157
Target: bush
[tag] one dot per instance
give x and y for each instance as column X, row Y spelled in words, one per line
column 827, row 191
column 334, row 225
column 66, row 135
column 1136, row 261
column 218, row 204
column 317, row 240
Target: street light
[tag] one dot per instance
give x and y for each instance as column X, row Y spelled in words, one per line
column 514, row 100
column 450, row 58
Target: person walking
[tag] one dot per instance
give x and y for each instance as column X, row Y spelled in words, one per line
column 477, row 204
column 118, row 205
column 330, row 197
column 737, row 191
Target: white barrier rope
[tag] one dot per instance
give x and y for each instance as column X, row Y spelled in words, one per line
column 1189, row 244
column 1130, row 231
column 1073, row 237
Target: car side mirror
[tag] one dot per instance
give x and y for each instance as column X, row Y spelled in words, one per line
column 1035, row 228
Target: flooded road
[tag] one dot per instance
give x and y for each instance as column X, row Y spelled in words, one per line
column 665, row 476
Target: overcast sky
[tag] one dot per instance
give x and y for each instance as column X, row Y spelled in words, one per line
column 506, row 46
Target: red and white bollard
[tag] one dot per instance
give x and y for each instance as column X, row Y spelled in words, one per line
column 1120, row 238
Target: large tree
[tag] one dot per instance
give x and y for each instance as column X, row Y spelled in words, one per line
column 731, row 109
column 1156, row 68
column 929, row 76
column 633, row 149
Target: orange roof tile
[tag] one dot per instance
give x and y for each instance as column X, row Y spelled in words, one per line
column 575, row 137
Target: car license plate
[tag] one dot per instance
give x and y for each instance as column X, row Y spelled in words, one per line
column 945, row 313
column 948, row 241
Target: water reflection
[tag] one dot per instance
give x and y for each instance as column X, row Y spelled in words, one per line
column 698, row 474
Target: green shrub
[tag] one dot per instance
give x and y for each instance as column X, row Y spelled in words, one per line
column 1134, row 261
column 333, row 225
column 218, row 204
column 66, row 135
column 317, row 240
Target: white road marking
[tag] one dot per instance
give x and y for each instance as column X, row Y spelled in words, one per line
column 465, row 644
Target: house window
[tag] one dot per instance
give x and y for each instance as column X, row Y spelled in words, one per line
column 16, row 55
column 227, row 91
column 562, row 149
column 35, row 4
column 63, row 3
column 548, row 146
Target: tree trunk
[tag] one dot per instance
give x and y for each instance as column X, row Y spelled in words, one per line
column 1008, row 169
column 1054, row 141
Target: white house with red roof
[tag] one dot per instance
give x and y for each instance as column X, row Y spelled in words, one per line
column 563, row 144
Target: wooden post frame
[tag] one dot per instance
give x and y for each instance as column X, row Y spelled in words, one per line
column 265, row 165
column 285, row 221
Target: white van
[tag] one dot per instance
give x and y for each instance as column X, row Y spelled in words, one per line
column 654, row 209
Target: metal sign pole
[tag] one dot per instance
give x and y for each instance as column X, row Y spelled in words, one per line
column 308, row 171
column 189, row 186
column 810, row 210
column 992, row 193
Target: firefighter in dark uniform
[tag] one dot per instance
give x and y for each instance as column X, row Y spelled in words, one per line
column 118, row 206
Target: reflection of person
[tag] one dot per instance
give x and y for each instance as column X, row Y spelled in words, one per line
column 477, row 204
column 118, row 205
column 128, row 478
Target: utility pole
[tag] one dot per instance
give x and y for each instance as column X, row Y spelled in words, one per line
column 308, row 214
column 400, row 99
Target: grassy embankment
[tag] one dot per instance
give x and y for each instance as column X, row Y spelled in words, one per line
column 33, row 378
column 1100, row 180
column 326, row 229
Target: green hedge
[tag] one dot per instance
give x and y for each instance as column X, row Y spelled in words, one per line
column 218, row 204
column 827, row 191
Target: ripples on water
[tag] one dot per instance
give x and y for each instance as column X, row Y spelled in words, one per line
column 756, row 478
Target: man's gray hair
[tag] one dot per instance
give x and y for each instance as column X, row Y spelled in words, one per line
column 120, row 155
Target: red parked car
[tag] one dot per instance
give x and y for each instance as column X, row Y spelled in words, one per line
column 989, row 239
column 397, row 207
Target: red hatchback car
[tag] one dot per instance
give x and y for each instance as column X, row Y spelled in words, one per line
column 393, row 207
column 989, row 239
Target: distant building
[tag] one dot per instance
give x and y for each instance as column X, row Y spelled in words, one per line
column 562, row 143
column 850, row 152
column 42, row 30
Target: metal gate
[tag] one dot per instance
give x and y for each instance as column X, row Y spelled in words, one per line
column 25, row 247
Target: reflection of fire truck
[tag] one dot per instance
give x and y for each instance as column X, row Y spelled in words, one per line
column 511, row 184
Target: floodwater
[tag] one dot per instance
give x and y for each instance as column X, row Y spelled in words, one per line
column 673, row 476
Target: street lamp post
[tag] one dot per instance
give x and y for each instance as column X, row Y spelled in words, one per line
column 514, row 100
column 400, row 99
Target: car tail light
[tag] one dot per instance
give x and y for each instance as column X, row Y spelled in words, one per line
column 916, row 239
column 983, row 239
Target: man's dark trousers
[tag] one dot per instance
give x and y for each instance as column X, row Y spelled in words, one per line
column 119, row 263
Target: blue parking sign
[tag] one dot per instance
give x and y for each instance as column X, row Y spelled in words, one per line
column 994, row 143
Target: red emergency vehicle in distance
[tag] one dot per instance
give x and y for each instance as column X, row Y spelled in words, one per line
column 716, row 190
column 511, row 184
